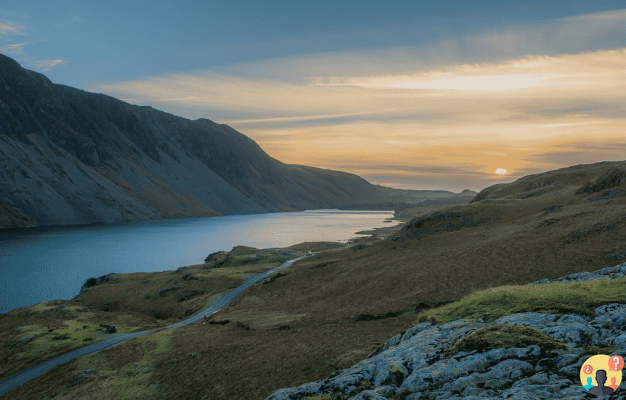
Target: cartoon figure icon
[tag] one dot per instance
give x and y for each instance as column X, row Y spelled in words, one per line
column 600, row 369
column 589, row 384
column 601, row 390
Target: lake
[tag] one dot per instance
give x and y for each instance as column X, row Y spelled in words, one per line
column 48, row 263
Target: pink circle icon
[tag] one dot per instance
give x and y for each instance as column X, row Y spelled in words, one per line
column 588, row 369
column 616, row 363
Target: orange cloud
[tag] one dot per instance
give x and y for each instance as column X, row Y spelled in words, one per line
column 483, row 122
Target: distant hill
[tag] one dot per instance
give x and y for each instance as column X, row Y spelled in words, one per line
column 68, row 156
column 594, row 178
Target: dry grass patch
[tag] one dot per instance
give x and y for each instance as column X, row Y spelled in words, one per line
column 238, row 363
column 250, row 313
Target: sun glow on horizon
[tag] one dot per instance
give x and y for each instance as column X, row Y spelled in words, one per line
column 442, row 81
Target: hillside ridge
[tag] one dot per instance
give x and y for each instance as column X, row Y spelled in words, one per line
column 68, row 156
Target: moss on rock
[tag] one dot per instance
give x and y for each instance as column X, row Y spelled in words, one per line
column 506, row 336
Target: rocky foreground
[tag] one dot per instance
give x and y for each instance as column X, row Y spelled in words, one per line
column 418, row 364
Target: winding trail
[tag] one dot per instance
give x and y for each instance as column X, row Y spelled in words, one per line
column 117, row 338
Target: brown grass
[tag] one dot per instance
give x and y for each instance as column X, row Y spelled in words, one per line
column 120, row 356
column 168, row 296
column 255, row 354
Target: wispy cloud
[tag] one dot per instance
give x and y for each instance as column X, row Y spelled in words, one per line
column 8, row 28
column 395, row 116
column 45, row 65
column 17, row 51
column 14, row 48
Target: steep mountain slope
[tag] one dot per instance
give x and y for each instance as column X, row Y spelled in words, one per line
column 68, row 156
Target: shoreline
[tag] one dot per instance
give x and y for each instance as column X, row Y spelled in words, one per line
column 386, row 231
column 371, row 235
column 122, row 223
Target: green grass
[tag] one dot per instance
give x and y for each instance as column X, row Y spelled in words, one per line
column 72, row 327
column 133, row 378
column 326, row 397
column 504, row 337
column 593, row 350
column 123, row 372
column 554, row 298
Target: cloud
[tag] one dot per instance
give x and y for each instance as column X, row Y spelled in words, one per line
column 44, row 65
column 16, row 50
column 429, row 116
column 588, row 32
column 403, row 115
column 67, row 19
column 579, row 152
column 8, row 28
column 566, row 71
column 595, row 31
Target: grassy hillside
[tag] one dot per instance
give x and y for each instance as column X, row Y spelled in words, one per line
column 329, row 311
column 131, row 302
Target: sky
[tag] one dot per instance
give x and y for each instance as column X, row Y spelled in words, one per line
column 446, row 95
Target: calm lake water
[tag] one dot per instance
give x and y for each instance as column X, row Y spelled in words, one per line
column 42, row 264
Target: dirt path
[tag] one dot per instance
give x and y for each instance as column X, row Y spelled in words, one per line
column 118, row 338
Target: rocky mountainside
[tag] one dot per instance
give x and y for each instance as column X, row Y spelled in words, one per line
column 68, row 156
column 448, row 361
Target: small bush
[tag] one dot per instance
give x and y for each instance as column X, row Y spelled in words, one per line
column 243, row 326
column 223, row 322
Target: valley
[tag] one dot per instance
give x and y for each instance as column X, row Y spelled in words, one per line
column 330, row 311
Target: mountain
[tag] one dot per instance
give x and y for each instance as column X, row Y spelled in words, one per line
column 68, row 156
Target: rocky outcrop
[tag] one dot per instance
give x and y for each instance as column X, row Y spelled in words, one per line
column 615, row 176
column 429, row 361
column 97, row 281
